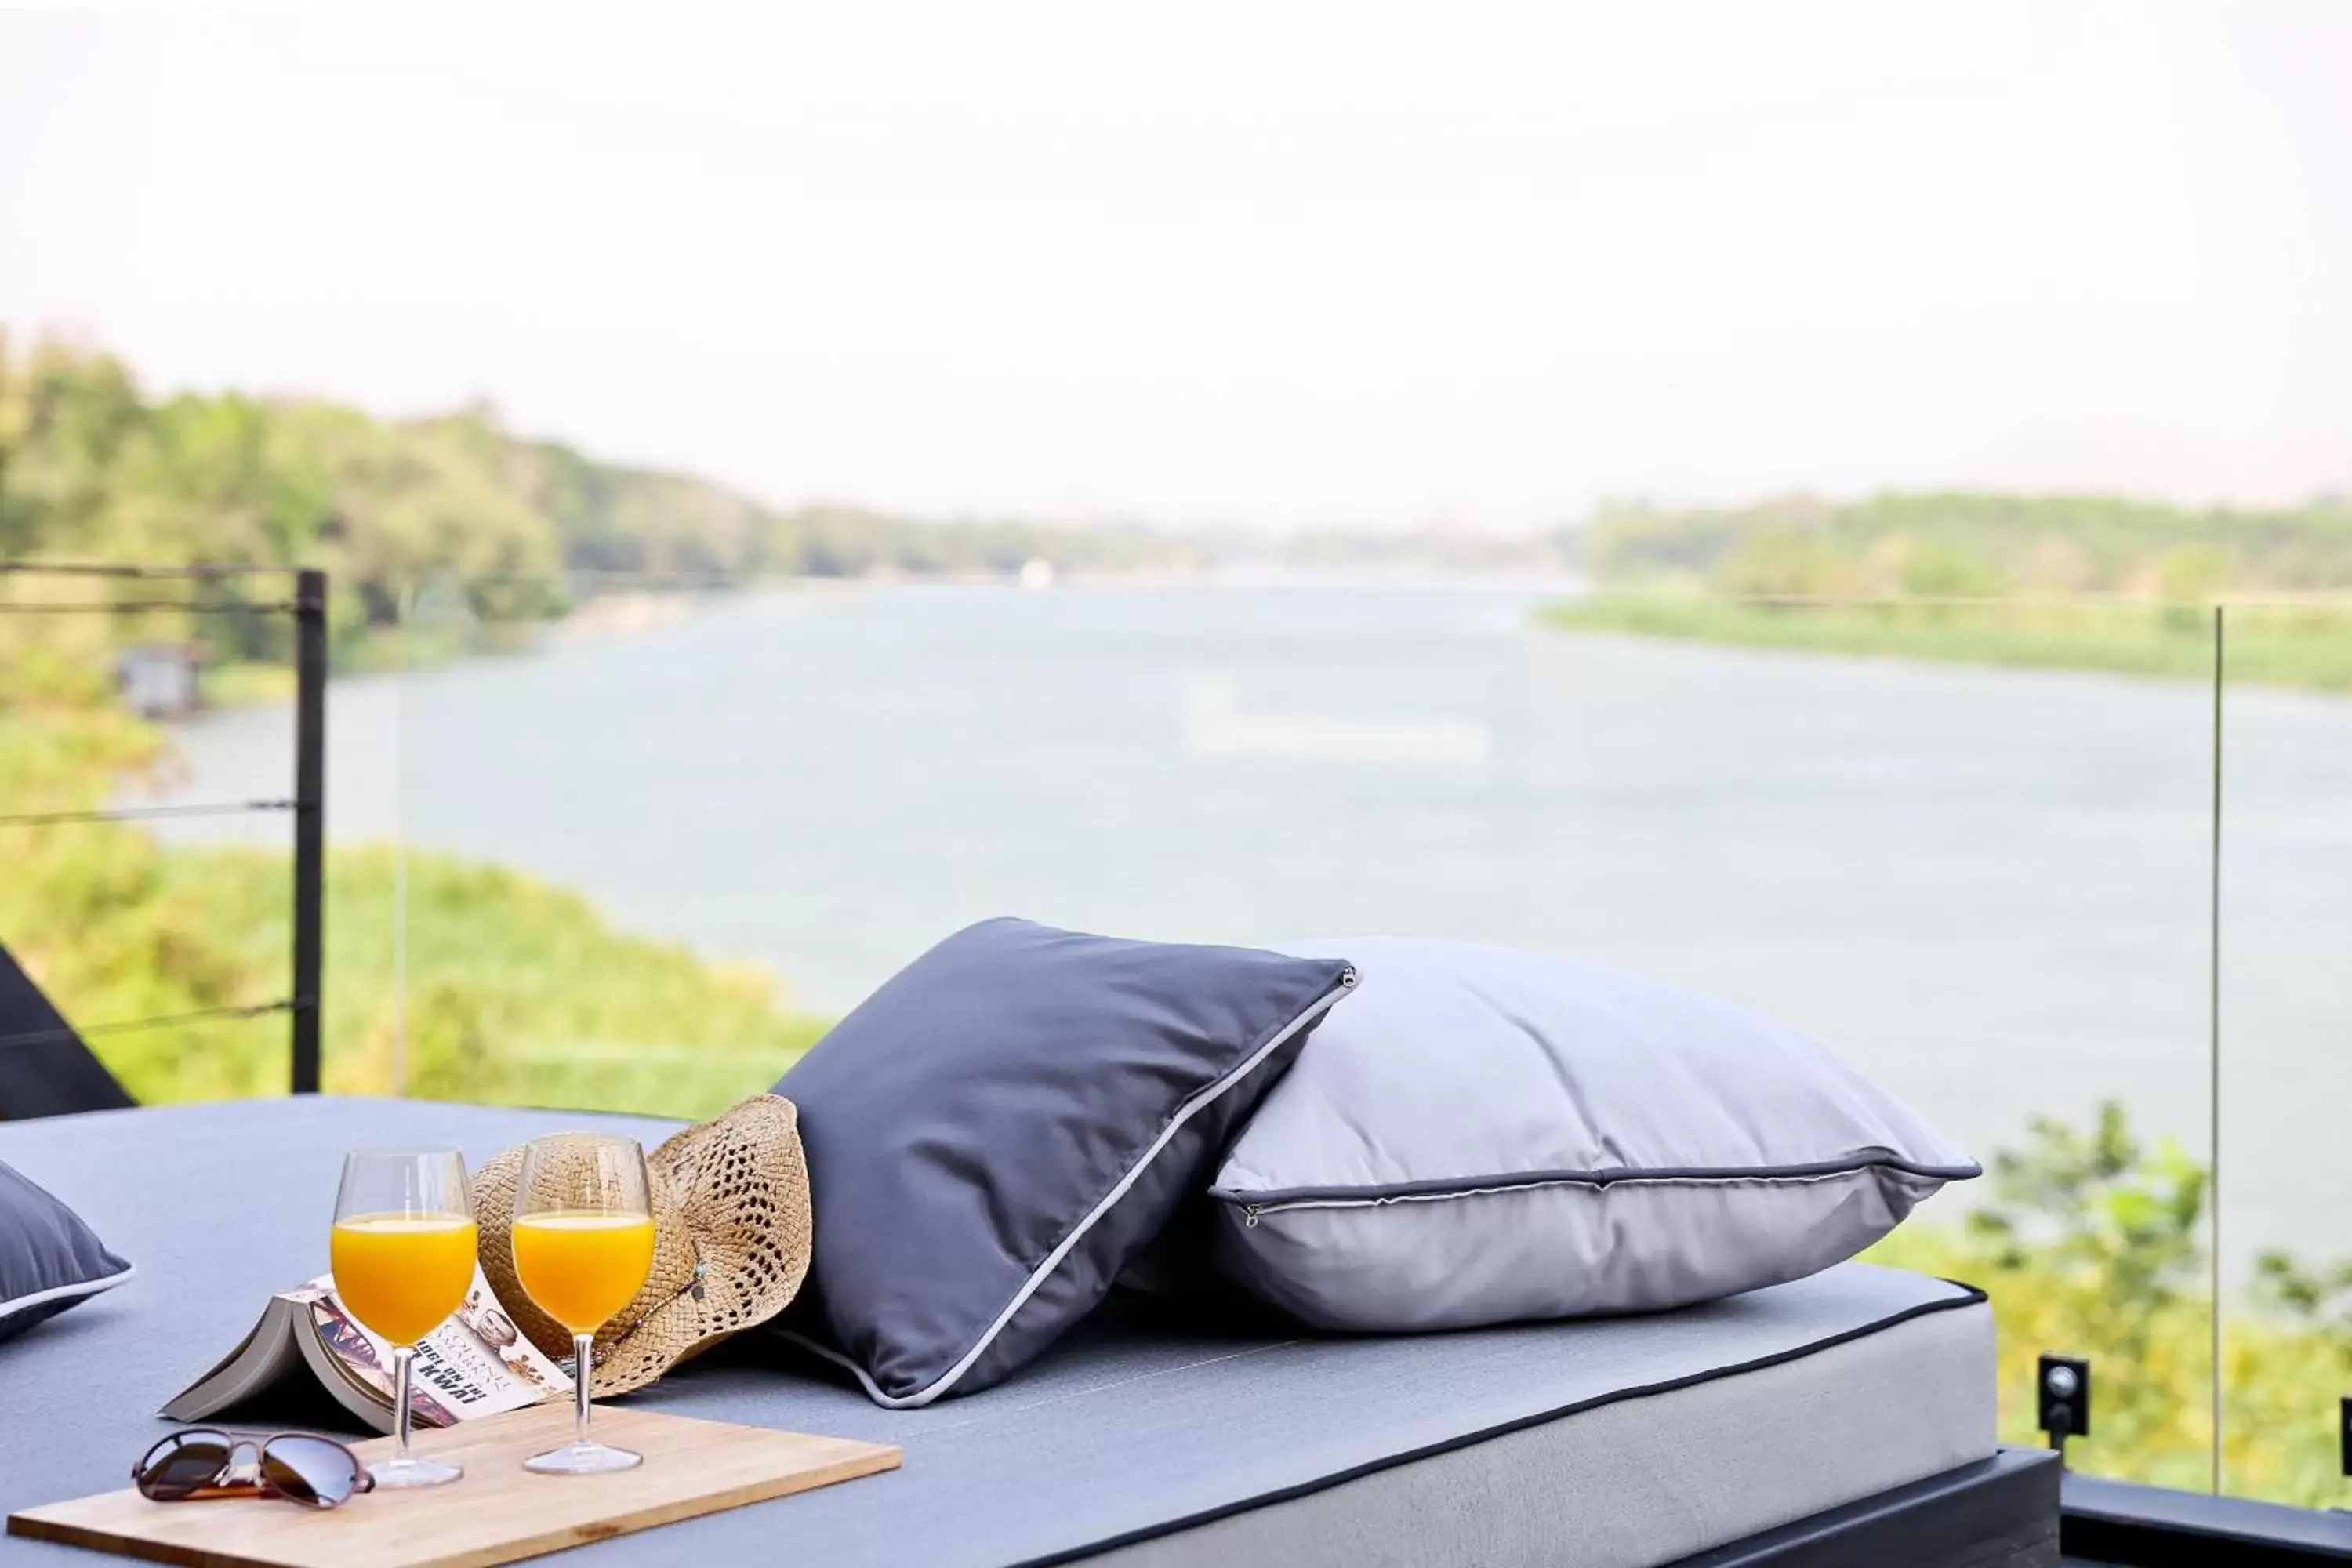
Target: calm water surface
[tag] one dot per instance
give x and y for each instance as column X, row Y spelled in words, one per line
column 1989, row 888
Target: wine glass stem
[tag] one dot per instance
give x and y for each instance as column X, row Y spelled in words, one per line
column 583, row 1356
column 402, row 1355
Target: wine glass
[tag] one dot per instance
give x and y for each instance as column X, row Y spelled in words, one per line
column 584, row 1243
column 403, row 1252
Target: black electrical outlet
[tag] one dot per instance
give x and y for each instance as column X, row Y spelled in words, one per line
column 2061, row 1393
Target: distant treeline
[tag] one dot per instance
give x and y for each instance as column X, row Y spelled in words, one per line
column 92, row 467
column 1966, row 544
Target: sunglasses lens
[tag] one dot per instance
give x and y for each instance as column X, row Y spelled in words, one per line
column 181, row 1464
column 311, row 1470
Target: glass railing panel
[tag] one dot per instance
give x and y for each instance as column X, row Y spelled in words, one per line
column 240, row 746
column 567, row 935
column 2286, row 1018
column 145, row 776
column 1967, row 846
column 799, row 788
column 651, row 846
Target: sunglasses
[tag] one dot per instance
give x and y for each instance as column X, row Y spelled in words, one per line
column 317, row 1472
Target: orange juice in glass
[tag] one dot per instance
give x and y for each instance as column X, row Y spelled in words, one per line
column 584, row 1243
column 403, row 1256
column 581, row 1265
column 402, row 1274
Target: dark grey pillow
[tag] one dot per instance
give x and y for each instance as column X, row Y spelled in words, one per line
column 992, row 1134
column 48, row 1259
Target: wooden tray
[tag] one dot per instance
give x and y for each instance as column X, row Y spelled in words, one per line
column 499, row 1513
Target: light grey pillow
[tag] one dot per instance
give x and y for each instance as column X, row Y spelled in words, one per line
column 1479, row 1135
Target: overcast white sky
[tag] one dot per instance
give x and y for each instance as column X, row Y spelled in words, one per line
column 1265, row 262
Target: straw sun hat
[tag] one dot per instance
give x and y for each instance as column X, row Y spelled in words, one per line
column 731, row 1202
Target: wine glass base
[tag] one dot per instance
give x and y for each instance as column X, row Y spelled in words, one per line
column 396, row 1474
column 583, row 1459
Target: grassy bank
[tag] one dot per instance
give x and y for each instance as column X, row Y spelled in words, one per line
column 2281, row 1376
column 2267, row 645
column 2090, row 1244
column 517, row 991
column 2064, row 582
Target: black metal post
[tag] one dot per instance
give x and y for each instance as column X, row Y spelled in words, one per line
column 309, row 821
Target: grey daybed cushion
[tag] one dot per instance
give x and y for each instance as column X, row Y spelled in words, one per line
column 48, row 1259
column 1480, row 1135
column 1596, row 1444
column 995, row 1133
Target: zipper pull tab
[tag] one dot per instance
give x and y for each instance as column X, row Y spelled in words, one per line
column 1249, row 1216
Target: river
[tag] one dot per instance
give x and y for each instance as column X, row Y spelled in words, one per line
column 1989, row 888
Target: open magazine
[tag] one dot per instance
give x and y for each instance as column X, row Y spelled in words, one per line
column 477, row 1364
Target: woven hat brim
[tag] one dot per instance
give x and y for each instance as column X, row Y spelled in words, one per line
column 739, row 1182
column 733, row 1226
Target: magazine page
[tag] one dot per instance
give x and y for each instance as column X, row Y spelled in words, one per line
column 481, row 1349
column 365, row 1359
column 477, row 1364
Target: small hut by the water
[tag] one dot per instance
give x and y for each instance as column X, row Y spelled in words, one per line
column 158, row 680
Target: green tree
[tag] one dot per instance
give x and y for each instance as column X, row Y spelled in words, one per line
column 2093, row 1242
column 1784, row 563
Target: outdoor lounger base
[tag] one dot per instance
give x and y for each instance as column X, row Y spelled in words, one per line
column 1848, row 1417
